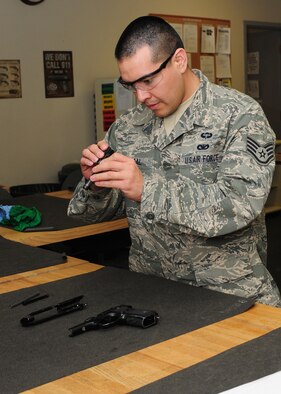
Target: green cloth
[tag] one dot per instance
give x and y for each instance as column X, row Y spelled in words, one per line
column 22, row 217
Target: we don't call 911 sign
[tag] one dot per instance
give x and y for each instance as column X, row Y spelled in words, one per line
column 58, row 70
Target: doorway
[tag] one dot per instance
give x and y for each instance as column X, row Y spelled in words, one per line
column 263, row 69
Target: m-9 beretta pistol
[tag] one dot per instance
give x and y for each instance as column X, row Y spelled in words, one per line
column 118, row 315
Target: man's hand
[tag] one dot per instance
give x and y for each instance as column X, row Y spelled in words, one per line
column 118, row 172
column 90, row 156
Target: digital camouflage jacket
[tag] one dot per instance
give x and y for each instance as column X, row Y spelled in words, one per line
column 200, row 219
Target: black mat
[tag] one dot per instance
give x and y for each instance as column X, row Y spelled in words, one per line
column 16, row 257
column 240, row 365
column 39, row 354
column 53, row 210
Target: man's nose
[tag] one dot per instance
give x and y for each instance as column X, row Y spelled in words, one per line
column 142, row 95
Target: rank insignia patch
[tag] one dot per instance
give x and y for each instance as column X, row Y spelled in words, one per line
column 262, row 153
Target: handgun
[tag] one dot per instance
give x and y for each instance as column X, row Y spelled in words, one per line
column 118, row 315
column 108, row 152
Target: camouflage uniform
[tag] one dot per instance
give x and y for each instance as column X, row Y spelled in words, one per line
column 200, row 220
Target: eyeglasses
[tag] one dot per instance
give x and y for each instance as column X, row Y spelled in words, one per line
column 148, row 81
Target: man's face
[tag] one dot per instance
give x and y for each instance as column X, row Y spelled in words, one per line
column 169, row 92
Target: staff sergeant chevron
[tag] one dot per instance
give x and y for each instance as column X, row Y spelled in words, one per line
column 263, row 154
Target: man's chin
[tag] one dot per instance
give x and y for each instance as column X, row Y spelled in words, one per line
column 162, row 113
column 158, row 111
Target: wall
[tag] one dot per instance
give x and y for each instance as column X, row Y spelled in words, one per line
column 39, row 135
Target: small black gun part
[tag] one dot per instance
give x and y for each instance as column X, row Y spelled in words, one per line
column 31, row 229
column 26, row 300
column 39, row 298
column 108, row 152
column 53, row 311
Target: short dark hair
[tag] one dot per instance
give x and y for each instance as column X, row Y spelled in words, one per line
column 150, row 30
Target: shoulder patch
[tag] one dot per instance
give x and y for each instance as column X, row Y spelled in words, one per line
column 263, row 154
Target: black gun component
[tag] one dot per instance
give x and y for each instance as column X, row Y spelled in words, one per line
column 121, row 314
column 31, row 299
column 53, row 311
column 108, row 152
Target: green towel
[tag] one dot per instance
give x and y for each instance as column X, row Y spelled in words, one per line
column 19, row 217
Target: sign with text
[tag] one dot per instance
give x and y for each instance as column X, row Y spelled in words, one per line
column 58, row 70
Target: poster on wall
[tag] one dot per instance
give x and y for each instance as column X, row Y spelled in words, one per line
column 10, row 79
column 253, row 63
column 58, row 71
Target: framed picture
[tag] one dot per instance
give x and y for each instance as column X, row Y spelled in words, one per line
column 10, row 79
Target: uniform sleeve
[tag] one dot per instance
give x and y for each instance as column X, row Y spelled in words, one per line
column 96, row 206
column 234, row 199
column 99, row 205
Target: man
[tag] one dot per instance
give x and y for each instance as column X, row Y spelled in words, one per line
column 192, row 170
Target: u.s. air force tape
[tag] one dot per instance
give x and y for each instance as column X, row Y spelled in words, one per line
column 263, row 154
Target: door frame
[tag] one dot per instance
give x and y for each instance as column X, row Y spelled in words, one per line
column 268, row 26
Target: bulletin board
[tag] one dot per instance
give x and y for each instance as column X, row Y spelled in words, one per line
column 207, row 43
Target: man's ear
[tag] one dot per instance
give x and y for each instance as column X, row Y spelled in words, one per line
column 181, row 60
